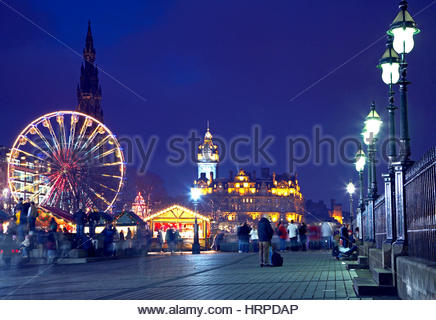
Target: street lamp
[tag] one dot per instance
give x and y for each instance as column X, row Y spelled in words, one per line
column 390, row 66
column 195, row 195
column 350, row 190
column 372, row 128
column 370, row 131
column 360, row 166
column 403, row 29
column 360, row 162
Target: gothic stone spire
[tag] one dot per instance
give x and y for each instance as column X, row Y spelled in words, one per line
column 89, row 90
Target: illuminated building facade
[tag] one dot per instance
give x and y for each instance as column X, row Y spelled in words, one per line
column 336, row 212
column 247, row 197
column 27, row 177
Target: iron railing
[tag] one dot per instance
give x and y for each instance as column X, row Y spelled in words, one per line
column 420, row 198
column 380, row 221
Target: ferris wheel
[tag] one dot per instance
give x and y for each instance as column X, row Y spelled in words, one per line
column 65, row 160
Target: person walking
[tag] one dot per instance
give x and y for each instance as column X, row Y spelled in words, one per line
column 129, row 234
column 254, row 239
column 51, row 246
column 170, row 239
column 80, row 220
column 93, row 218
column 283, row 235
column 178, row 240
column 265, row 233
column 20, row 220
column 244, row 237
column 292, row 233
column 302, row 231
column 32, row 214
column 160, row 240
column 343, row 232
column 108, row 242
column 326, row 235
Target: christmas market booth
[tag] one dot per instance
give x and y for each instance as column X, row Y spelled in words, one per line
column 128, row 220
column 182, row 219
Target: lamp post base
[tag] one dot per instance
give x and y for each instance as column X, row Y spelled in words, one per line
column 195, row 248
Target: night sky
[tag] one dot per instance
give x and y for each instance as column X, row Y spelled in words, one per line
column 235, row 63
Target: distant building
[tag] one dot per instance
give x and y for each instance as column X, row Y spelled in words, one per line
column 89, row 89
column 336, row 211
column 246, row 196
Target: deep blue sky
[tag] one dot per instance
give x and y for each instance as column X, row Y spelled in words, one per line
column 236, row 63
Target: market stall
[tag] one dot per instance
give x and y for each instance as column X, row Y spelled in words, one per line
column 182, row 219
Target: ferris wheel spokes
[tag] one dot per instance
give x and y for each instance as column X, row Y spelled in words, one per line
column 36, row 146
column 90, row 139
column 74, row 120
column 35, row 129
column 47, row 123
column 27, row 154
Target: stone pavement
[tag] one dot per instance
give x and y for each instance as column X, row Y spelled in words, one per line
column 305, row 275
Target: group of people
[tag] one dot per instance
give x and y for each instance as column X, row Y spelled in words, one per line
column 172, row 238
column 295, row 234
column 24, row 239
column 346, row 245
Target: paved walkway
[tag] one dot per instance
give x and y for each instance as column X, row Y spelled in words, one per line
column 305, row 275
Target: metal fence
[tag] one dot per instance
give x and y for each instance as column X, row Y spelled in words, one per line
column 420, row 198
column 380, row 221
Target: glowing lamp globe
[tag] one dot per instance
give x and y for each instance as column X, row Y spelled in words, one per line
column 367, row 137
column 403, row 29
column 195, row 193
column 372, row 125
column 350, row 188
column 390, row 65
column 360, row 161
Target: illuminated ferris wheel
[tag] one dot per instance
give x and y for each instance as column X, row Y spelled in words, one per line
column 65, row 160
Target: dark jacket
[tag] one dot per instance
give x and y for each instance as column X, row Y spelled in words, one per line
column 302, row 230
column 264, row 230
column 244, row 233
column 80, row 218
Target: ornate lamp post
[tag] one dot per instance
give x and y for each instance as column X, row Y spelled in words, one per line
column 350, row 190
column 403, row 29
column 195, row 195
column 390, row 66
column 360, row 166
column 372, row 128
column 370, row 131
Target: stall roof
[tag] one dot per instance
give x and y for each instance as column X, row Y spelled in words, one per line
column 176, row 212
column 127, row 218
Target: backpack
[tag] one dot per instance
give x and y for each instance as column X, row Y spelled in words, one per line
column 276, row 259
